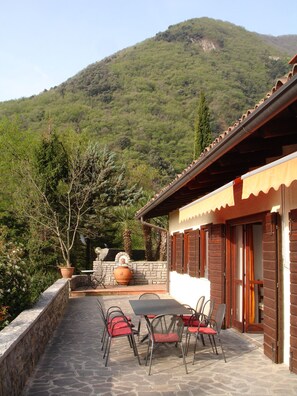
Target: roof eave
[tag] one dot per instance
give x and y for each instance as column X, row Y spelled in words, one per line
column 279, row 100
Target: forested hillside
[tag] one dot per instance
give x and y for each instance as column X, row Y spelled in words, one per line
column 142, row 101
column 79, row 160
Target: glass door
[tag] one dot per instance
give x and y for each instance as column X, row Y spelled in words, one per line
column 247, row 277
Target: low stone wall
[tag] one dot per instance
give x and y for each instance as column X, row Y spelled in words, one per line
column 144, row 272
column 23, row 341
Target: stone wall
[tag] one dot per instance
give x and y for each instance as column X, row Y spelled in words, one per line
column 23, row 341
column 144, row 272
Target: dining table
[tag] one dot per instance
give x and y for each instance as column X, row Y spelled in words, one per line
column 156, row 307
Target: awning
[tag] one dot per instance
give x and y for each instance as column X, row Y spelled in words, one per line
column 217, row 199
column 273, row 175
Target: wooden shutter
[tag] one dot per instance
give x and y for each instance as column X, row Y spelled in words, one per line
column 216, row 262
column 293, row 296
column 271, row 275
column 193, row 253
column 173, row 253
column 179, row 255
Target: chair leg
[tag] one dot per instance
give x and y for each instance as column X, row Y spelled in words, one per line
column 107, row 350
column 188, row 338
column 147, row 351
column 195, row 347
column 135, row 350
column 151, row 357
column 223, row 353
column 138, row 329
column 183, row 354
column 214, row 345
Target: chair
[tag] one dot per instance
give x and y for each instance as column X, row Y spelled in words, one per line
column 213, row 330
column 106, row 317
column 165, row 329
column 199, row 305
column 199, row 319
column 147, row 296
column 118, row 325
column 198, row 310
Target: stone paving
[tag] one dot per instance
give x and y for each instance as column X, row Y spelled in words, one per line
column 72, row 363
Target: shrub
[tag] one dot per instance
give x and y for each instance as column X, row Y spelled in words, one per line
column 14, row 280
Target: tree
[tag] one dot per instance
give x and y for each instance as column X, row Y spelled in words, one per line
column 203, row 135
column 59, row 198
column 125, row 221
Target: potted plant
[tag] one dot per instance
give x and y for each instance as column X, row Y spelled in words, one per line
column 122, row 272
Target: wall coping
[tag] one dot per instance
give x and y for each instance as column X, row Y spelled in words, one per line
column 22, row 324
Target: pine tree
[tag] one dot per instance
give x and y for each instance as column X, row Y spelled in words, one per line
column 203, row 135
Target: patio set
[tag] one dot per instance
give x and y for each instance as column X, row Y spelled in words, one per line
column 168, row 322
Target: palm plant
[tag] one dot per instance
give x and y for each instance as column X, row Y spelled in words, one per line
column 126, row 223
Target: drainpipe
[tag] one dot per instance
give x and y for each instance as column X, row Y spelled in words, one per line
column 168, row 241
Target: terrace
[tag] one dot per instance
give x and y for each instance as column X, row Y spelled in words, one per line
column 71, row 362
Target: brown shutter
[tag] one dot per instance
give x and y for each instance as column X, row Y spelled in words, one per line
column 172, row 253
column 272, row 318
column 217, row 257
column 179, row 259
column 193, row 253
column 293, row 296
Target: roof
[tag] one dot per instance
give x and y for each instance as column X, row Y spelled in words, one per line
column 263, row 134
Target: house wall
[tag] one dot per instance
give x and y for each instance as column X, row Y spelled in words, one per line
column 187, row 289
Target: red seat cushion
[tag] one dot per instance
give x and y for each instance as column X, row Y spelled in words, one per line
column 207, row 331
column 120, row 331
column 171, row 337
column 186, row 319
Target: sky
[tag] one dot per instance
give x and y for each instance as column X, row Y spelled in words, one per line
column 45, row 42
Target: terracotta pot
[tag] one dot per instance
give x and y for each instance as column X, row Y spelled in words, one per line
column 67, row 272
column 122, row 275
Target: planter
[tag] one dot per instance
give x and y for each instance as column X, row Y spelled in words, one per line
column 123, row 275
column 67, row 272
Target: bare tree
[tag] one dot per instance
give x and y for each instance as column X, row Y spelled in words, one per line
column 74, row 199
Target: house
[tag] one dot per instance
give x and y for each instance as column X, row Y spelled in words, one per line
column 233, row 223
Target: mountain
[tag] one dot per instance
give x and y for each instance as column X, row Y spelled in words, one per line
column 142, row 101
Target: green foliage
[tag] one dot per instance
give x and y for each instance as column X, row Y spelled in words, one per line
column 68, row 194
column 14, row 279
column 52, row 166
column 141, row 102
column 21, row 283
column 203, row 135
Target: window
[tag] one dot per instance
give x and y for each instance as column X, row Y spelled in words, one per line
column 189, row 252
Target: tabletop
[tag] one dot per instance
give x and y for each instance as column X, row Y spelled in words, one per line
column 158, row 307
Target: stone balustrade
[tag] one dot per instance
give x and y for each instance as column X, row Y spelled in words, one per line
column 144, row 272
column 23, row 341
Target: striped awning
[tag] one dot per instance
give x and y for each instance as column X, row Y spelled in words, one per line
column 273, row 175
column 217, row 199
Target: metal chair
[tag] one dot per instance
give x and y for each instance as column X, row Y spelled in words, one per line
column 213, row 330
column 106, row 316
column 165, row 329
column 199, row 319
column 198, row 310
column 199, row 305
column 118, row 325
column 147, row 296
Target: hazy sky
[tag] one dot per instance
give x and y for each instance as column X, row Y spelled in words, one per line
column 44, row 42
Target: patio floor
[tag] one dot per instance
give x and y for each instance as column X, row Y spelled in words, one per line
column 72, row 363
